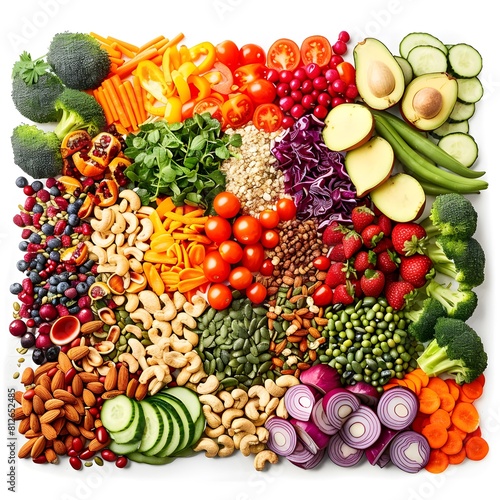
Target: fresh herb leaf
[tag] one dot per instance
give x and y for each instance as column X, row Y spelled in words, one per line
column 28, row 69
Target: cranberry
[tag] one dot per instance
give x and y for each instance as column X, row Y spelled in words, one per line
column 307, row 86
column 340, row 47
column 48, row 312
column 320, row 112
column 286, row 103
column 286, row 76
column 28, row 190
column 297, row 111
column 85, row 315
column 296, row 95
column 273, row 75
column 313, row 70
column 300, row 73
column 344, row 36
column 17, row 328
column 282, row 89
column 43, row 341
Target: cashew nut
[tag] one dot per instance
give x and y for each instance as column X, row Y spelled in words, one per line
column 191, row 337
column 135, row 252
column 227, row 445
column 127, row 359
column 273, row 389
column 120, row 262
column 179, row 300
column 209, row 446
column 168, row 312
column 174, row 359
column 134, row 202
column 242, row 424
column 231, row 414
column 102, row 239
column 260, row 392
column 120, row 241
column 183, row 319
column 183, row 377
column 180, row 345
column 150, row 301
column 264, row 457
column 257, row 448
column 213, row 420
column 272, row 405
column 213, row 401
column 226, row 398
column 99, row 254
column 159, row 327
column 133, row 329
column 146, row 231
column 132, row 222
column 120, row 223
column 262, row 434
column 196, row 307
column 252, row 409
column 138, row 349
column 155, row 371
column 281, row 409
column 214, row 433
column 287, row 381
column 211, row 384
column 195, row 366
column 240, row 398
column 246, row 441
column 132, row 302
column 140, row 315
column 104, row 222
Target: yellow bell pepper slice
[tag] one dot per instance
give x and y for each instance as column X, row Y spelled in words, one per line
column 173, row 110
column 203, row 52
column 181, row 85
column 152, row 80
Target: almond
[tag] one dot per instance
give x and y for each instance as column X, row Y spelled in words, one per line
column 89, row 377
column 77, row 386
column 131, row 387
column 64, row 362
column 38, row 405
column 88, row 397
column 19, row 413
column 96, row 387
column 111, row 394
column 24, row 425
column 18, row 396
column 65, row 396
column 28, row 376
column 58, row 381
column 80, row 406
column 123, row 377
column 111, row 378
column 88, row 420
column 27, row 406
column 50, row 416
column 44, row 381
column 70, row 413
column 51, row 456
column 25, row 449
column 72, row 429
column 32, row 434
column 78, row 352
column 43, row 393
column 58, row 424
column 59, row 447
column 34, row 422
column 87, row 434
column 53, row 404
column 91, row 327
column 38, row 447
column 42, row 369
column 95, row 445
column 49, row 432
column 141, row 392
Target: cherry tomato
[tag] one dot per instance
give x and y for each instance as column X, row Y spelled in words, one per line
column 240, row 278
column 243, row 75
column 226, row 204
column 347, row 73
column 261, row 91
column 256, row 292
column 267, row 267
column 286, row 209
column 269, row 218
column 321, row 263
column 227, row 52
column 231, row 251
column 253, row 256
column 267, row 117
column 323, row 295
column 316, row 49
column 237, row 111
column 211, row 105
column 270, row 238
column 247, row 229
column 219, row 296
column 283, row 54
column 217, row 228
column 252, row 53
column 215, row 268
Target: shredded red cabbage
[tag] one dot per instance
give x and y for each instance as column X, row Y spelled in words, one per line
column 314, row 176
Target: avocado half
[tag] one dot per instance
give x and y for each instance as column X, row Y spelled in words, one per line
column 429, row 100
column 379, row 78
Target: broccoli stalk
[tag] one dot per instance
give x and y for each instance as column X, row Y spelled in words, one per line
column 423, row 316
column 451, row 214
column 462, row 260
column 458, row 304
column 36, row 152
column 78, row 111
column 456, row 350
column 78, row 60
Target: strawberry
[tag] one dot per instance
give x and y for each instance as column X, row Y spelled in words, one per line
column 352, row 242
column 399, row 294
column 336, row 253
column 372, row 282
column 343, row 294
column 408, row 238
column 384, row 244
column 361, row 216
column 385, row 223
column 416, row 269
column 364, row 259
column 336, row 275
column 387, row 261
column 371, row 235
column 333, row 233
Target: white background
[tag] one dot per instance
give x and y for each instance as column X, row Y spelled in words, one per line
column 30, row 25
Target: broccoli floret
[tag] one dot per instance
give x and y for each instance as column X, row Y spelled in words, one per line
column 78, row 60
column 37, row 152
column 78, row 111
column 456, row 350
column 34, row 89
column 423, row 316
column 461, row 259
column 458, row 304
column 451, row 214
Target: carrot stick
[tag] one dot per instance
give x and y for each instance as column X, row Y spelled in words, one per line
column 465, row 416
column 98, row 37
column 125, row 52
column 112, row 52
column 173, row 41
column 113, row 94
column 136, row 85
column 116, row 60
column 436, row 434
column 159, row 45
column 151, row 42
column 128, row 106
column 127, row 45
column 429, row 401
column 111, row 105
column 476, row 448
column 453, row 444
column 129, row 89
column 197, row 219
column 438, row 462
column 101, row 99
column 129, row 66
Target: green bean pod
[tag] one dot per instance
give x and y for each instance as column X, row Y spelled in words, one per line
column 418, row 166
column 425, row 146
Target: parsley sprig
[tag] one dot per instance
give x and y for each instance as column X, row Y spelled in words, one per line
column 28, row 69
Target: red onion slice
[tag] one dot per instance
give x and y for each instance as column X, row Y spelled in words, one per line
column 409, row 451
column 340, row 453
column 299, row 401
column 300, row 454
column 339, row 404
column 397, row 408
column 322, row 377
column 318, row 416
column 314, row 461
column 311, row 436
column 282, row 436
column 362, row 428
column 366, row 393
column 376, row 451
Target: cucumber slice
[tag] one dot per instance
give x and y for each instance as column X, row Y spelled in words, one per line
column 141, row 458
column 464, row 61
column 154, row 427
column 188, row 397
column 419, row 38
column 425, row 59
column 166, row 434
column 177, row 430
column 117, row 413
column 124, row 448
column 461, row 146
column 461, row 112
column 450, row 127
column 134, row 431
column 406, row 68
column 187, row 424
column 470, row 90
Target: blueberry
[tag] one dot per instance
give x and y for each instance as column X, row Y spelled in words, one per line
column 54, row 243
column 23, row 246
column 82, row 288
column 22, row 265
column 54, row 191
column 68, row 230
column 73, row 309
column 54, row 280
column 38, row 356
column 73, row 208
column 38, row 209
column 21, row 182
column 52, row 353
column 55, row 256
column 16, row 288
column 35, row 238
column 62, row 287
column 37, row 185
column 73, row 220
column 35, row 277
column 90, row 280
column 42, row 292
column 48, row 229
column 41, row 259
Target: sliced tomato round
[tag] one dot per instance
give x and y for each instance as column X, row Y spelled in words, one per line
column 210, row 104
column 284, row 54
column 316, row 49
column 237, row 110
column 267, row 117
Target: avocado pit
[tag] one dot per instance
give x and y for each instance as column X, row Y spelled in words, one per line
column 428, row 102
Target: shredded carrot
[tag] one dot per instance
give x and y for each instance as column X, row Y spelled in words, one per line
column 435, row 433
column 447, row 402
column 476, row 448
column 465, row 416
column 453, row 444
column 441, row 416
column 438, row 462
column 429, row 401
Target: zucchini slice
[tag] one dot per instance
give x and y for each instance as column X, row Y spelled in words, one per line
column 464, row 61
column 426, row 59
column 461, row 146
column 419, row 38
column 470, row 90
